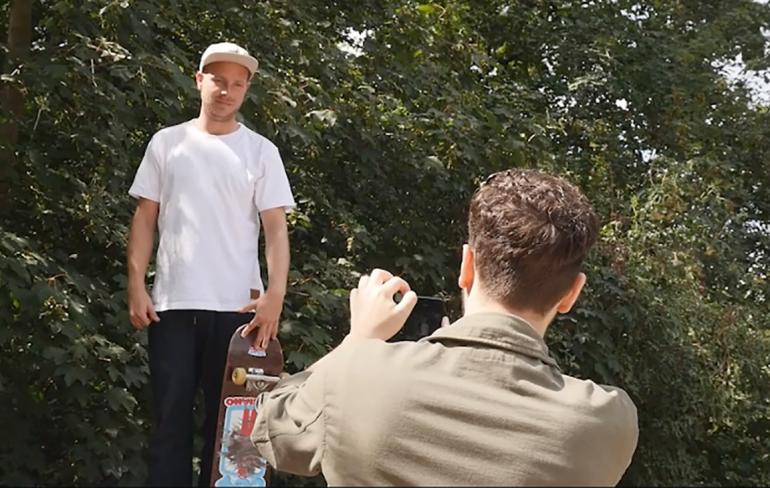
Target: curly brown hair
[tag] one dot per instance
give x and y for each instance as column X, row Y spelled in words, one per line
column 530, row 232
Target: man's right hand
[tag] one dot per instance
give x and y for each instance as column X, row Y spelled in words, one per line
column 374, row 314
column 141, row 311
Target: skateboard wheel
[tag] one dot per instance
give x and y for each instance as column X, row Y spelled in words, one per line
column 239, row 376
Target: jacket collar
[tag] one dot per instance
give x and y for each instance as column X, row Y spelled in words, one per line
column 496, row 330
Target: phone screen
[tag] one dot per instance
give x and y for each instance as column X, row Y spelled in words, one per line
column 424, row 319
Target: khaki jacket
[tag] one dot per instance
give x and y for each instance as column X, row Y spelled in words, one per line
column 479, row 402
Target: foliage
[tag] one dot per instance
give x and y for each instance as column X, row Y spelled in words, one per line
column 384, row 148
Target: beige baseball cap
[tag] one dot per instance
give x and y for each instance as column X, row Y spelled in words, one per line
column 227, row 51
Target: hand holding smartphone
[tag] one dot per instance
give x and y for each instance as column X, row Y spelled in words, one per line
column 424, row 320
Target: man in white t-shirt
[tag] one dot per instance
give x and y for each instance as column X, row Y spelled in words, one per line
column 206, row 184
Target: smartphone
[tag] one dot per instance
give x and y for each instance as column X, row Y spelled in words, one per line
column 424, row 319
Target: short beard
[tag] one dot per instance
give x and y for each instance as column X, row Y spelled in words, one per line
column 221, row 118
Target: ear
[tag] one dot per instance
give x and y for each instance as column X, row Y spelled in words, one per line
column 569, row 298
column 198, row 79
column 467, row 269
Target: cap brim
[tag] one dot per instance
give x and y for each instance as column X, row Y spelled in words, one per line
column 248, row 62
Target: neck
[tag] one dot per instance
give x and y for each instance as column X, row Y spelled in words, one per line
column 478, row 302
column 216, row 127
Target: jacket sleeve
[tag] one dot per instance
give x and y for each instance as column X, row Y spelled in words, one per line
column 622, row 434
column 289, row 431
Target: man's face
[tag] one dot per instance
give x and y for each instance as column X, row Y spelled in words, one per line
column 223, row 86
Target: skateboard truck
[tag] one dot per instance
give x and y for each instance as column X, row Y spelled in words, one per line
column 254, row 378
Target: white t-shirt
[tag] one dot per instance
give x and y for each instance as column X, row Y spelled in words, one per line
column 211, row 189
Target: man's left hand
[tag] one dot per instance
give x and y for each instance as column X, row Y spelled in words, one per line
column 267, row 310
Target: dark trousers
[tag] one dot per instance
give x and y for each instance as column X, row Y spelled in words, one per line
column 187, row 348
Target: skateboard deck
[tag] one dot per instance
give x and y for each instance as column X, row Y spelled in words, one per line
column 248, row 372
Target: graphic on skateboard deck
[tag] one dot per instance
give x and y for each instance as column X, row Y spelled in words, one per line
column 248, row 372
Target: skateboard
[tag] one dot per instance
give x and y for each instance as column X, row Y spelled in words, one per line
column 248, row 372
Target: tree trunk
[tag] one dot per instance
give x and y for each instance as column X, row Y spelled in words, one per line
column 11, row 96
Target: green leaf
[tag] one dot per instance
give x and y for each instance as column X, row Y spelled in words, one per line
column 326, row 116
column 74, row 374
column 426, row 8
column 120, row 399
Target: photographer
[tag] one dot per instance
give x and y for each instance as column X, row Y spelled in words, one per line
column 480, row 401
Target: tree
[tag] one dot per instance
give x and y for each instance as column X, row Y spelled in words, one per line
column 384, row 147
column 11, row 97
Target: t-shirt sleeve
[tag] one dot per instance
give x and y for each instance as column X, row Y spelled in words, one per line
column 272, row 187
column 147, row 179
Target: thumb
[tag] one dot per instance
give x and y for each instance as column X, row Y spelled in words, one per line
column 445, row 321
column 153, row 315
